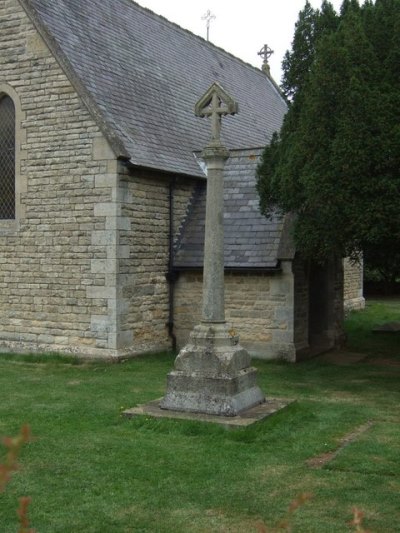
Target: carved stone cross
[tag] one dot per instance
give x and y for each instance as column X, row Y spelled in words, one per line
column 216, row 103
column 212, row 372
column 265, row 52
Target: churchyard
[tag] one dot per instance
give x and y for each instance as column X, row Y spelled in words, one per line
column 87, row 468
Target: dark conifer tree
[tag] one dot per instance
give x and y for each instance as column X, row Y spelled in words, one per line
column 335, row 162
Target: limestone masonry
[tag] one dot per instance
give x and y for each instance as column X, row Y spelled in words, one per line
column 103, row 258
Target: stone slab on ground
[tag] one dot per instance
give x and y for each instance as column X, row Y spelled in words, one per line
column 246, row 418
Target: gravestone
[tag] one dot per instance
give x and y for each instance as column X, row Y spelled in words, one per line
column 212, row 373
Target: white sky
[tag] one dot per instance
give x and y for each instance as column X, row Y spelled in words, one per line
column 241, row 28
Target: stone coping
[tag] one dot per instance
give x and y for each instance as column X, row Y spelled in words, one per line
column 246, row 418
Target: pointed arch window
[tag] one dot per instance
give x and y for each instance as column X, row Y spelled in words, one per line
column 7, row 158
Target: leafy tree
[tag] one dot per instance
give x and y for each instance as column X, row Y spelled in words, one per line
column 335, row 162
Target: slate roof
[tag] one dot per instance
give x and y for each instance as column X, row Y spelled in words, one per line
column 141, row 76
column 250, row 239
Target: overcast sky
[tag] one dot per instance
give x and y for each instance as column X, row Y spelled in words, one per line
column 241, row 28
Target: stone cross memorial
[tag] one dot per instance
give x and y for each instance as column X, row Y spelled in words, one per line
column 212, row 373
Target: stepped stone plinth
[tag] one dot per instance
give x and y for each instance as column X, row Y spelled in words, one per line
column 212, row 374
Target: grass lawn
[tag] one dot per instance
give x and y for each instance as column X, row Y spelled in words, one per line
column 89, row 469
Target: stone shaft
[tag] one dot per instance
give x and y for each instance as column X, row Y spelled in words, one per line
column 212, row 372
column 213, row 285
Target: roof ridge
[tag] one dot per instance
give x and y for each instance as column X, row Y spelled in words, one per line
column 120, row 92
column 229, row 54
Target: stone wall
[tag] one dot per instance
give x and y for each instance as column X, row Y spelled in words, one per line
column 143, row 273
column 83, row 268
column 58, row 258
column 259, row 307
column 353, row 285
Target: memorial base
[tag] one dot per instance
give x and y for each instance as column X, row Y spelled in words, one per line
column 212, row 375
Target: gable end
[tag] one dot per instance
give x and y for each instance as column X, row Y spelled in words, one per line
column 115, row 143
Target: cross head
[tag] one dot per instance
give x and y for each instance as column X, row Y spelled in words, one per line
column 216, row 103
column 208, row 17
column 265, row 52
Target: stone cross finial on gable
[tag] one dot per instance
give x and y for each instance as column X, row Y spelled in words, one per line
column 208, row 17
column 216, row 103
column 265, row 52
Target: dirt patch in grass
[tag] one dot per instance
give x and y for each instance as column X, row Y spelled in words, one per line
column 341, row 357
column 386, row 361
column 216, row 521
column 347, row 358
column 321, row 460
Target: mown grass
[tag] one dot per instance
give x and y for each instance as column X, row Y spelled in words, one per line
column 359, row 328
column 89, row 469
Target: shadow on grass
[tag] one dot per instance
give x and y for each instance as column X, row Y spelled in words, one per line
column 360, row 324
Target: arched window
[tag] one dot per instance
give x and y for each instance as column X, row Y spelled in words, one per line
column 7, row 158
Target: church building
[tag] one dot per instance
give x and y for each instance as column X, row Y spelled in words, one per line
column 102, row 192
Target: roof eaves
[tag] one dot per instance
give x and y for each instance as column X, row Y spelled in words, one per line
column 113, row 139
column 234, row 269
column 148, row 170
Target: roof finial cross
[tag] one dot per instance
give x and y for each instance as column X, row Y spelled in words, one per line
column 208, row 17
column 265, row 52
column 216, row 103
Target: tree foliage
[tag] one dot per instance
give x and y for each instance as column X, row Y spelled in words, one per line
column 336, row 161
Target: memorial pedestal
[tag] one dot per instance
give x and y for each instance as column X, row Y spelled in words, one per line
column 212, row 374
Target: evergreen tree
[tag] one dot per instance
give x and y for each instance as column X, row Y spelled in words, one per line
column 335, row 162
column 296, row 65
